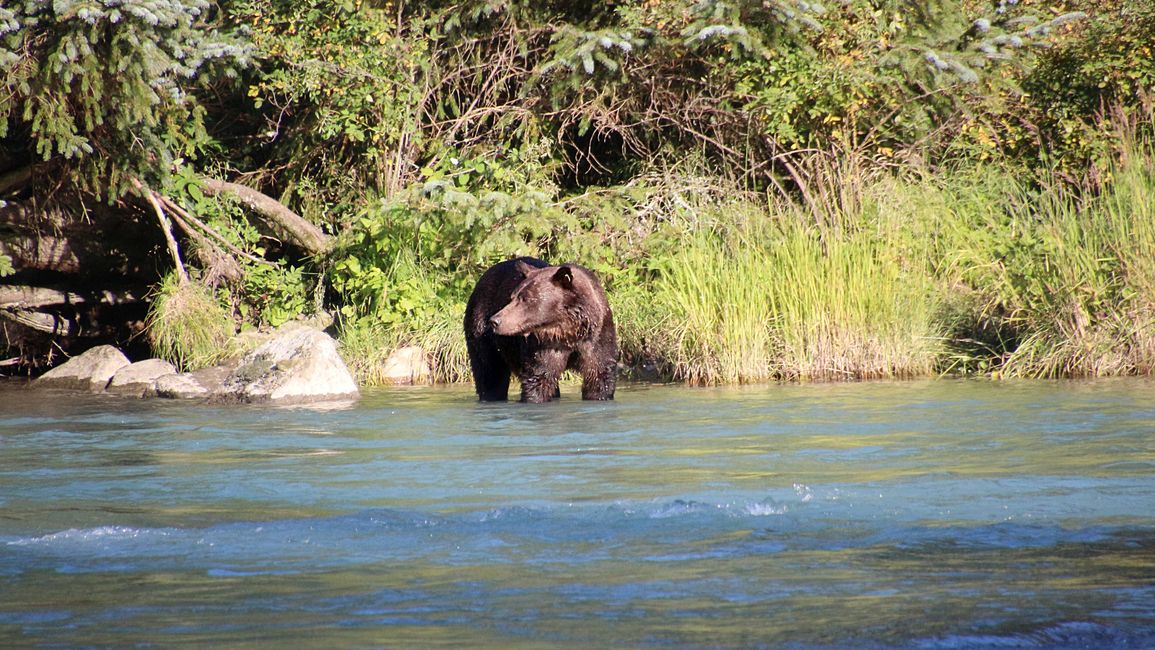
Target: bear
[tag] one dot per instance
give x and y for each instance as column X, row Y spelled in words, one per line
column 533, row 320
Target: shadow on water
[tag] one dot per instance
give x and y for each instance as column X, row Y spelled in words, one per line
column 948, row 514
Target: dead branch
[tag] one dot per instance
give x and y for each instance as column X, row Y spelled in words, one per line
column 186, row 220
column 166, row 227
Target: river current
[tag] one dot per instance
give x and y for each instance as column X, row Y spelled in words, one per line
column 942, row 514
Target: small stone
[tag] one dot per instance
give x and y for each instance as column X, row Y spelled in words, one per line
column 179, row 386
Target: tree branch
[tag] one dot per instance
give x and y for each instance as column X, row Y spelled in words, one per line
column 184, row 219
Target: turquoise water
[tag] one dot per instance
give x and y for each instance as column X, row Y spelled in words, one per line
column 940, row 515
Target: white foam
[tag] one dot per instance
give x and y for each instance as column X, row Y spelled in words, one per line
column 86, row 534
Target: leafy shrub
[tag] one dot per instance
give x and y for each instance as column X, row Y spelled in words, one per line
column 263, row 286
column 1104, row 63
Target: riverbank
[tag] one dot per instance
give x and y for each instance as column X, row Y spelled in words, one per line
column 873, row 275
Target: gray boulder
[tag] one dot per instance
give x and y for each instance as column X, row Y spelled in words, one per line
column 299, row 364
column 139, row 379
column 206, row 382
column 89, row 371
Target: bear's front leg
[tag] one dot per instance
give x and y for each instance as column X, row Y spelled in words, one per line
column 541, row 374
column 490, row 371
column 599, row 383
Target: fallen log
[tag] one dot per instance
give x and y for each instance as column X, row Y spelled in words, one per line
column 29, row 297
column 284, row 222
column 39, row 321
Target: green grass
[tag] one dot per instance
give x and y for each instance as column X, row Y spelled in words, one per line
column 366, row 344
column 187, row 326
column 717, row 303
column 782, row 299
column 1086, row 298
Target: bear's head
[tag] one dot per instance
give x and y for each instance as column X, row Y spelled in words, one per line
column 551, row 303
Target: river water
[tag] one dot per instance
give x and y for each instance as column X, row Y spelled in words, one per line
column 939, row 514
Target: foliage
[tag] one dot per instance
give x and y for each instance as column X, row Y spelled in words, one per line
column 107, row 86
column 465, row 216
column 886, row 77
column 1107, row 62
column 610, row 86
column 263, row 287
column 1040, row 280
column 1073, row 273
column 336, row 88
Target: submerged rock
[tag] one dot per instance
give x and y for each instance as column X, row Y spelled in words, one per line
column 139, row 378
column 91, row 370
column 300, row 364
column 179, row 386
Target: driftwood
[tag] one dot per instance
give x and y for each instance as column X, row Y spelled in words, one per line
column 29, row 297
column 53, row 324
column 22, row 305
column 284, row 222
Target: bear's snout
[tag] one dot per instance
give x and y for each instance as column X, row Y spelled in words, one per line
column 494, row 322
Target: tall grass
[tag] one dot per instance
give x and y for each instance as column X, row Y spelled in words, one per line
column 784, row 299
column 1086, row 300
column 717, row 297
column 1041, row 278
column 366, row 344
column 187, row 325
column 845, row 308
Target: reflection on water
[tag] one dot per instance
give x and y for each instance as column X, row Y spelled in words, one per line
column 948, row 514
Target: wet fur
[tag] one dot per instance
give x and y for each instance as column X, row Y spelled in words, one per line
column 550, row 318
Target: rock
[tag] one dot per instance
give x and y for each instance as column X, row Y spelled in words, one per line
column 213, row 377
column 139, row 379
column 89, row 371
column 407, row 365
column 300, row 364
column 179, row 386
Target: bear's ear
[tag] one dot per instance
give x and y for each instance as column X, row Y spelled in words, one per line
column 523, row 268
column 564, row 277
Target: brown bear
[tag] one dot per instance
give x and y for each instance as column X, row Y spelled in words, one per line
column 534, row 320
